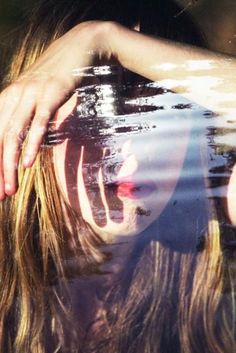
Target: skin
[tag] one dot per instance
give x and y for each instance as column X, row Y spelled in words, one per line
column 202, row 76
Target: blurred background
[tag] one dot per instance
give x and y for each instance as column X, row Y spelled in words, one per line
column 215, row 18
column 12, row 15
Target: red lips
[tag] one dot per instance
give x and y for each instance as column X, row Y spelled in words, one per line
column 133, row 190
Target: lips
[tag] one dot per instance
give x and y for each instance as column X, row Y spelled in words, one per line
column 127, row 187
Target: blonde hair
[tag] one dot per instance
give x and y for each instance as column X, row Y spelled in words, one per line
column 165, row 299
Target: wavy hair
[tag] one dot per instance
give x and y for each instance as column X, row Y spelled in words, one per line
column 166, row 301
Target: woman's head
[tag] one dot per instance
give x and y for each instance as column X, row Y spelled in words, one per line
column 44, row 28
column 38, row 186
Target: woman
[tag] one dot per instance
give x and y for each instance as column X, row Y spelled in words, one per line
column 69, row 283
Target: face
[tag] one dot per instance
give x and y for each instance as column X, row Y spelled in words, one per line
column 119, row 174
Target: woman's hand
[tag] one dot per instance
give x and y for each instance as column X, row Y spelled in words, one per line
column 28, row 103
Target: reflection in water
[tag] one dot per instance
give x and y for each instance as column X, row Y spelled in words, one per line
column 108, row 114
column 107, row 118
column 142, row 161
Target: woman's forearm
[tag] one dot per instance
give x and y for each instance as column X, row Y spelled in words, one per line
column 203, row 76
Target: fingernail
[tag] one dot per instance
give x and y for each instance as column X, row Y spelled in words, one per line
column 7, row 187
column 27, row 161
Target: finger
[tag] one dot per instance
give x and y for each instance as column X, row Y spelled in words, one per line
column 2, row 102
column 14, row 137
column 9, row 100
column 2, row 99
column 53, row 96
column 11, row 152
column 2, row 189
